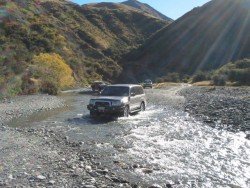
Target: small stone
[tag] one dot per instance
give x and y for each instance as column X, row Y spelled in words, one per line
column 136, row 166
column 88, row 168
column 81, row 165
column 168, row 185
column 2, row 183
column 119, row 180
column 147, row 171
column 81, row 158
column 41, row 177
column 92, row 180
column 155, row 186
column 105, row 171
column 52, row 182
column 89, row 186
column 10, row 176
column 38, row 167
column 94, row 174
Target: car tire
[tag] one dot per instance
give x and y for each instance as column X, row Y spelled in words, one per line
column 93, row 114
column 126, row 111
column 143, row 107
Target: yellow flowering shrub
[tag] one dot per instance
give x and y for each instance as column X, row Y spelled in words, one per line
column 52, row 67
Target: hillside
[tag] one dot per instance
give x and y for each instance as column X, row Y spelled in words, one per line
column 147, row 9
column 203, row 39
column 237, row 72
column 82, row 35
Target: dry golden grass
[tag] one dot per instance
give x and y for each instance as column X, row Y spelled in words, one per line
column 203, row 83
column 166, row 84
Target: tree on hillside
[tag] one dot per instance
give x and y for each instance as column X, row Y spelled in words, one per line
column 54, row 67
column 52, row 71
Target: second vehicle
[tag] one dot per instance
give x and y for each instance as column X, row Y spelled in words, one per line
column 148, row 84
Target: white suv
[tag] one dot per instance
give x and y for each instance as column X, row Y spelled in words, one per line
column 118, row 100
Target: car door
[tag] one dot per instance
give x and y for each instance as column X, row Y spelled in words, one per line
column 134, row 99
column 140, row 96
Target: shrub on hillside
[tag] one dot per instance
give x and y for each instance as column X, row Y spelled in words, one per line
column 185, row 78
column 241, row 76
column 30, row 85
column 159, row 80
column 13, row 86
column 170, row 77
column 219, row 80
column 199, row 76
column 237, row 72
column 53, row 66
column 50, row 87
column 52, row 71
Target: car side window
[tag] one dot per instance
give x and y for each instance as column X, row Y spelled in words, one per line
column 132, row 91
column 140, row 91
column 136, row 91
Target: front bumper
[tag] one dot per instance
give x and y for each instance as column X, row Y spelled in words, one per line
column 107, row 110
column 147, row 85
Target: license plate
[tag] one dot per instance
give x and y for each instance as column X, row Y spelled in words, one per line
column 101, row 108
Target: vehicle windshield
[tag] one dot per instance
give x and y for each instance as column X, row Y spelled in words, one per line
column 115, row 91
column 148, row 81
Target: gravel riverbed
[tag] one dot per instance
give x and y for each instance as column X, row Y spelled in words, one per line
column 26, row 105
column 226, row 107
column 145, row 150
column 41, row 157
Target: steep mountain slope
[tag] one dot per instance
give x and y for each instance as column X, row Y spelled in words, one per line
column 205, row 38
column 147, row 9
column 89, row 38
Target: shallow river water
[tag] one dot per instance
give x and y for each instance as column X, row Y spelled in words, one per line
column 162, row 145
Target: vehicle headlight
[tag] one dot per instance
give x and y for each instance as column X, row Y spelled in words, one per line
column 92, row 102
column 116, row 103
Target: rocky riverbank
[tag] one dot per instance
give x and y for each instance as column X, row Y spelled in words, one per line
column 26, row 105
column 42, row 157
column 69, row 150
column 226, row 107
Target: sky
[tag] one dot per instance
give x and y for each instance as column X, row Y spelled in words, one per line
column 171, row 8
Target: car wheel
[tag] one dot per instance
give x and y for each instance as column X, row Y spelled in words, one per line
column 126, row 111
column 143, row 107
column 93, row 114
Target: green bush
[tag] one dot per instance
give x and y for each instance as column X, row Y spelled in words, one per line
column 241, row 76
column 29, row 85
column 159, row 80
column 185, row 78
column 50, row 87
column 199, row 76
column 14, row 86
column 172, row 77
column 219, row 80
column 237, row 72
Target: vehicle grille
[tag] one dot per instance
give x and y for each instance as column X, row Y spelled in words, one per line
column 102, row 104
